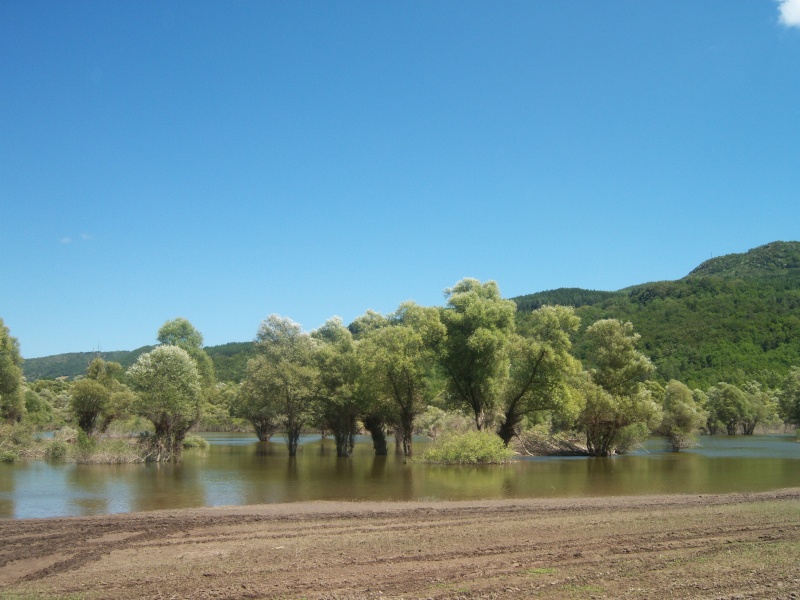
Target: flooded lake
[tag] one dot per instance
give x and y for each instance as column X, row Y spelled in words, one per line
column 237, row 469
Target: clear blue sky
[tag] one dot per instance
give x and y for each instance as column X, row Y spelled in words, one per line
column 222, row 161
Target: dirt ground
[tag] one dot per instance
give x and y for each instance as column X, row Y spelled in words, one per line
column 725, row 546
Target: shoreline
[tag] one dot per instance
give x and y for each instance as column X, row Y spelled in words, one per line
column 700, row 546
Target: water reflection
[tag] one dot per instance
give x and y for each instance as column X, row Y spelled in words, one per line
column 240, row 470
column 6, row 490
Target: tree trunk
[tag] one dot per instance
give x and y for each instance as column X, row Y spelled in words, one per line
column 377, row 429
column 507, row 430
column 293, row 438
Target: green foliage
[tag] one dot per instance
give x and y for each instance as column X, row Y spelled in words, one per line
column 85, row 444
column 473, row 353
column 776, row 258
column 540, row 365
column 727, row 406
column 790, row 397
column 169, row 395
column 472, row 448
column 74, row 364
column 573, row 297
column 281, row 381
column 230, row 360
column 12, row 403
column 399, row 362
column 195, row 441
column 615, row 395
column 56, row 450
column 340, row 397
column 683, row 416
column 735, row 318
column 90, row 399
column 435, row 422
column 180, row 332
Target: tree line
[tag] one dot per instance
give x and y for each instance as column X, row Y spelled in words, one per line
column 509, row 370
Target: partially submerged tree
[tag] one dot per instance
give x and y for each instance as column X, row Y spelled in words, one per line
column 399, row 360
column 169, row 395
column 473, row 353
column 615, row 394
column 281, row 381
column 540, row 366
column 340, row 397
column 683, row 417
column 728, row 405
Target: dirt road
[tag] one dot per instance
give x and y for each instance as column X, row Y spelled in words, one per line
column 727, row 546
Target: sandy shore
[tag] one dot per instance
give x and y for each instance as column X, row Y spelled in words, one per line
column 711, row 546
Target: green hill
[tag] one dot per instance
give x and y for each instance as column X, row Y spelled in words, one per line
column 230, row 361
column 734, row 318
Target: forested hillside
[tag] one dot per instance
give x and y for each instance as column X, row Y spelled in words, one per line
column 734, row 318
column 229, row 361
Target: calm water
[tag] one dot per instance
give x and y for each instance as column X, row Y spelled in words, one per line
column 239, row 470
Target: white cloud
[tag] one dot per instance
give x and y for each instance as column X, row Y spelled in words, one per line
column 66, row 240
column 86, row 236
column 790, row 12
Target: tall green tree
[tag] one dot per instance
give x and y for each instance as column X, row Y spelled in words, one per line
column 281, row 382
column 615, row 394
column 682, row 417
column 100, row 397
column 762, row 407
column 727, row 405
column 540, row 367
column 400, row 359
column 12, row 403
column 169, row 395
column 340, row 396
column 473, row 354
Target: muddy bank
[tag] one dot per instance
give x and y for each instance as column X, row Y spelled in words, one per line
column 715, row 546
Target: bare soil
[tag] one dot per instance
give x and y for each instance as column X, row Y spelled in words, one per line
column 717, row 546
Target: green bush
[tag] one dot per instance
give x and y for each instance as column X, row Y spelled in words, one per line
column 112, row 451
column 85, row 446
column 8, row 456
column 56, row 450
column 472, row 448
column 195, row 441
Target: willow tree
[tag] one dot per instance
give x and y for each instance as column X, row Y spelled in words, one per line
column 473, row 354
column 169, row 395
column 540, row 366
column 341, row 397
column 281, row 382
column 615, row 394
column 399, row 360
column 683, row 416
column 100, row 397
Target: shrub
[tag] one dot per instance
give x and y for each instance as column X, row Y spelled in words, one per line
column 56, row 450
column 111, row 451
column 8, row 456
column 195, row 441
column 470, row 448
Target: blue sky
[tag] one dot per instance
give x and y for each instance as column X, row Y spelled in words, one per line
column 223, row 161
